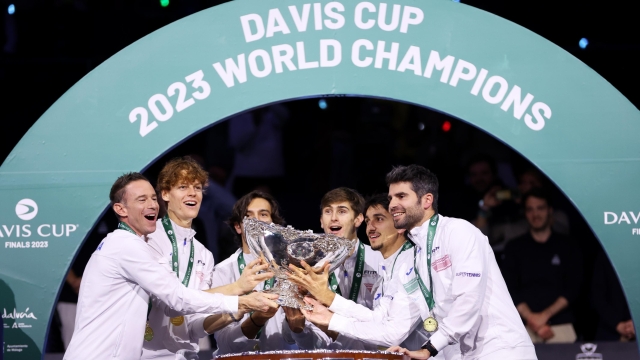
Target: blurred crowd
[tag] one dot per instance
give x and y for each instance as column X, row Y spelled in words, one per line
column 560, row 279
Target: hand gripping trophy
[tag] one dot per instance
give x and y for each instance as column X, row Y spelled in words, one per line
column 281, row 246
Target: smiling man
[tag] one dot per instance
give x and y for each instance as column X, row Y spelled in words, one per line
column 395, row 318
column 122, row 274
column 174, row 336
column 462, row 296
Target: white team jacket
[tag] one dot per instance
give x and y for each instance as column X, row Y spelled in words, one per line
column 395, row 318
column 275, row 335
column 170, row 339
column 473, row 306
column 344, row 275
column 113, row 300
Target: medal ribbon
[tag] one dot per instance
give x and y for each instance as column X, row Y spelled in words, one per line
column 268, row 284
column 175, row 261
column 431, row 234
column 125, row 227
column 405, row 246
column 357, row 278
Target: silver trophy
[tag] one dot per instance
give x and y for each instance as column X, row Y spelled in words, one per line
column 282, row 246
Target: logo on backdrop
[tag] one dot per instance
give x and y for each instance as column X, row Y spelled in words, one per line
column 588, row 352
column 19, row 317
column 623, row 217
column 26, row 209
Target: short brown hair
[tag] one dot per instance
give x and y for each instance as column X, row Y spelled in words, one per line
column 344, row 194
column 181, row 169
column 240, row 211
column 116, row 195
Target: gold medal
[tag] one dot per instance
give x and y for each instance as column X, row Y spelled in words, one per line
column 177, row 321
column 148, row 333
column 431, row 324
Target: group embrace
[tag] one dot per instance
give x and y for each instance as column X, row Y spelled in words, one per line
column 427, row 286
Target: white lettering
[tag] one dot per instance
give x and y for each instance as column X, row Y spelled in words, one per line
column 382, row 17
column 440, row 64
column 460, row 74
column 339, row 19
column 40, row 230
column 279, row 58
column 18, row 315
column 635, row 219
column 302, row 58
column 502, row 90
column 232, row 70
column 27, row 230
column 317, row 15
column 358, row 16
column 324, row 52
column 249, row 36
column 253, row 65
column 55, row 234
column 606, row 218
column 535, row 109
column 519, row 106
column 276, row 23
column 392, row 55
column 475, row 90
column 71, row 228
column 624, row 217
column 8, row 231
column 301, row 21
column 408, row 20
column 635, row 231
column 355, row 53
column 411, row 61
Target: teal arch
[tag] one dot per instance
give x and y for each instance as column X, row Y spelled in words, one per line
column 68, row 159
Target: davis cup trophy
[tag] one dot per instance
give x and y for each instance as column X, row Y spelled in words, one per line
column 282, row 246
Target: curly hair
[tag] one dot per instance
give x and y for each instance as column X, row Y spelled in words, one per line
column 240, row 211
column 178, row 170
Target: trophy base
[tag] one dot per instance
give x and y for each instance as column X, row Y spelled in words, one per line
column 289, row 295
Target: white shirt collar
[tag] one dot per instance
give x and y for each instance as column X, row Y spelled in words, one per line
column 181, row 232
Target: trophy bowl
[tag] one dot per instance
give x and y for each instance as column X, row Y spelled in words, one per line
column 282, row 246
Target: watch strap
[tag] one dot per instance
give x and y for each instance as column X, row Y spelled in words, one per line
column 432, row 350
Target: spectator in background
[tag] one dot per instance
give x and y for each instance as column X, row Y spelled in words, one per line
column 482, row 202
column 256, row 138
column 614, row 321
column 516, row 224
column 543, row 271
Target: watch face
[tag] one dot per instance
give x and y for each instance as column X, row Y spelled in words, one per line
column 430, row 324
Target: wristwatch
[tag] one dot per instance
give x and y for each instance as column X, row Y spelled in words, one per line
column 432, row 350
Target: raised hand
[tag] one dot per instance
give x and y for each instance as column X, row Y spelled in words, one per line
column 250, row 277
column 317, row 283
column 257, row 301
column 320, row 315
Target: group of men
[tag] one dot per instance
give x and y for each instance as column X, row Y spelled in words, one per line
column 428, row 286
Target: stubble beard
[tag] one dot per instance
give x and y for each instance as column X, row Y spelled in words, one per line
column 412, row 216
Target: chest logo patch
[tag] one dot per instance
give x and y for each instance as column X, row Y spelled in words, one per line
column 442, row 263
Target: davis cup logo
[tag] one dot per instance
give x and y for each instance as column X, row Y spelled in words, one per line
column 26, row 209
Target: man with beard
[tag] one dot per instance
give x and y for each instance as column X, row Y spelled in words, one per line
column 462, row 296
column 543, row 271
column 181, row 185
column 122, row 274
column 395, row 318
column 280, row 328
